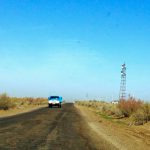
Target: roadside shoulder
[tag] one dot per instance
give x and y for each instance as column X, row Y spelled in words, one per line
column 13, row 112
column 121, row 137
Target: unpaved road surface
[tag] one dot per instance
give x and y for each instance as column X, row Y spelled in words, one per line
column 49, row 129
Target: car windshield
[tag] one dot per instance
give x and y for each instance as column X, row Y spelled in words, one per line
column 54, row 97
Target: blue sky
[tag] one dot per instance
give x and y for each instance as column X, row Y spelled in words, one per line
column 74, row 48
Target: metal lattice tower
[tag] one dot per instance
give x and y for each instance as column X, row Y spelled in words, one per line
column 122, row 94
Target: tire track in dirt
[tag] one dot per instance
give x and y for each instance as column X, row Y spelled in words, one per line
column 68, row 133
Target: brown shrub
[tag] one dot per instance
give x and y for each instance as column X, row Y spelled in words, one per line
column 142, row 115
column 5, row 102
column 138, row 117
column 146, row 111
column 129, row 106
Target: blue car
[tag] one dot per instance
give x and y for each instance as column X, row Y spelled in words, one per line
column 54, row 101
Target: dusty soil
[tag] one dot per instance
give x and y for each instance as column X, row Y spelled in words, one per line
column 121, row 136
column 48, row 129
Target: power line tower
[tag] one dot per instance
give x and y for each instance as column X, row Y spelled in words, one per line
column 122, row 94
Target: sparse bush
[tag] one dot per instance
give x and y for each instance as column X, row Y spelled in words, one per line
column 33, row 101
column 118, row 113
column 138, row 111
column 5, row 102
column 129, row 106
column 142, row 115
column 138, row 117
column 146, row 110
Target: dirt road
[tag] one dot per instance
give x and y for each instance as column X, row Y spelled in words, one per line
column 47, row 129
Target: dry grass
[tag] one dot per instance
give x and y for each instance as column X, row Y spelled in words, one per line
column 14, row 105
column 129, row 111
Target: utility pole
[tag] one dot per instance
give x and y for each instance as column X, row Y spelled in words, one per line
column 122, row 94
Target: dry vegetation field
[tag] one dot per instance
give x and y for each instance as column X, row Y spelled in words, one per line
column 13, row 105
column 129, row 112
